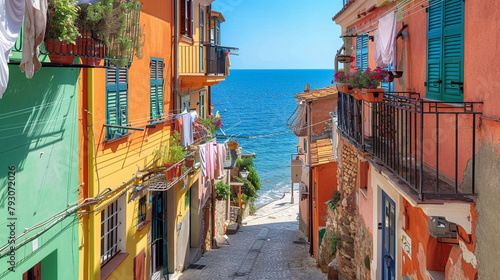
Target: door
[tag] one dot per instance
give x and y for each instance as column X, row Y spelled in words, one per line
column 158, row 239
column 388, row 238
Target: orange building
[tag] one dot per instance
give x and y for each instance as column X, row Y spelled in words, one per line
column 421, row 188
column 314, row 170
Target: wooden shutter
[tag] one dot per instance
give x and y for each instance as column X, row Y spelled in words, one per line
column 116, row 99
column 140, row 266
column 445, row 25
column 183, row 17
column 362, row 52
column 453, row 49
column 434, row 48
column 202, row 23
column 156, row 88
column 191, row 18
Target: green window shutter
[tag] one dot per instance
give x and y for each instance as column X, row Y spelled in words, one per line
column 116, row 100
column 156, row 88
column 202, row 23
column 445, row 25
column 453, row 49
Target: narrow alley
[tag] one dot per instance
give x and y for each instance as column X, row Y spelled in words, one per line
column 269, row 245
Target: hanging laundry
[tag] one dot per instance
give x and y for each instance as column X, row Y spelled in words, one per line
column 194, row 115
column 203, row 159
column 187, row 130
column 35, row 21
column 221, row 157
column 11, row 20
column 385, row 38
column 211, row 154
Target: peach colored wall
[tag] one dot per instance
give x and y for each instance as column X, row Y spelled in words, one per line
column 365, row 203
column 320, row 112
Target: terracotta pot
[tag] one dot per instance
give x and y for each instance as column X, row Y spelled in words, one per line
column 232, row 146
column 189, row 162
column 172, row 173
column 218, row 198
column 90, row 51
column 59, row 51
column 356, row 93
column 373, row 94
column 344, row 87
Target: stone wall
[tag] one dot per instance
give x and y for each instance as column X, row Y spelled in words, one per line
column 220, row 219
column 356, row 242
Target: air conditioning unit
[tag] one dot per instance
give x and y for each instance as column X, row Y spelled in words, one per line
column 439, row 227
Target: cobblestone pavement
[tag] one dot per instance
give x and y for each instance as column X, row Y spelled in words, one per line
column 263, row 248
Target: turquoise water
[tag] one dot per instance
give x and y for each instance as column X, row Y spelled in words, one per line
column 259, row 102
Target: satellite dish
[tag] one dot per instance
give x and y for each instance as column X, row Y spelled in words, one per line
column 307, row 87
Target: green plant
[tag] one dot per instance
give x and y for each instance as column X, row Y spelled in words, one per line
column 368, row 79
column 212, row 124
column 175, row 151
column 247, row 188
column 332, row 203
column 335, row 243
column 253, row 208
column 246, row 162
column 367, row 262
column 63, row 14
column 222, row 189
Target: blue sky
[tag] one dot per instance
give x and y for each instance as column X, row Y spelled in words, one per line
column 279, row 34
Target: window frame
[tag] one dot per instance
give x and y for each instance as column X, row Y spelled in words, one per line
column 201, row 107
column 110, row 228
column 142, row 211
column 186, row 18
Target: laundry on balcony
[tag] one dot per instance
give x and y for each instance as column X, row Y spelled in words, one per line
column 184, row 124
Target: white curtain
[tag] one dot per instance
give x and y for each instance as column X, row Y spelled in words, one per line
column 385, row 38
column 11, row 19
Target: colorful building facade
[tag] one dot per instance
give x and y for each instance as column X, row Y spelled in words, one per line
column 413, row 165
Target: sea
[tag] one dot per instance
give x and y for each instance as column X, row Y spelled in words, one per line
column 257, row 104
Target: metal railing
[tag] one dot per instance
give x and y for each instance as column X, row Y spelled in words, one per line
column 216, row 60
column 88, row 44
column 429, row 145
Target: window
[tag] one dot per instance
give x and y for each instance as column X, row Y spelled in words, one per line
column 156, row 88
column 445, row 50
column 116, row 101
column 362, row 52
column 215, row 32
column 111, row 231
column 202, row 36
column 185, row 102
column 386, row 85
column 202, row 104
column 305, row 145
column 142, row 211
column 187, row 199
column 187, row 18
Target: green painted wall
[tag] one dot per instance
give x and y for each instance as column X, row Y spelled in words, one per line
column 39, row 136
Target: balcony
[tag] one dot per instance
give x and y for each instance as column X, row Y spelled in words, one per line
column 428, row 146
column 89, row 45
column 203, row 64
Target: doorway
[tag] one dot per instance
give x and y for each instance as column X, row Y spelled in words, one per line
column 388, row 237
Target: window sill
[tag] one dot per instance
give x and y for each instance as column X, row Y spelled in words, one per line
column 124, row 136
column 445, row 103
column 186, row 39
column 143, row 225
column 112, row 265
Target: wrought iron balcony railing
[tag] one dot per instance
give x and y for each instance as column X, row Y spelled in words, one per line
column 201, row 58
column 428, row 145
column 216, row 60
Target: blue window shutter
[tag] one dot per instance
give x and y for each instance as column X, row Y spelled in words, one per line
column 386, row 85
column 365, row 52
column 445, row 25
column 362, row 52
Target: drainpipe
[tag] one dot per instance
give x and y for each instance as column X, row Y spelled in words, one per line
column 92, row 220
column 176, row 53
column 309, row 138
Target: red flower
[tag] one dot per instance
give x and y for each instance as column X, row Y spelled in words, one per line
column 378, row 76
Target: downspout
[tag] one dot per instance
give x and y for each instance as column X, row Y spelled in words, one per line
column 91, row 168
column 309, row 138
column 176, row 55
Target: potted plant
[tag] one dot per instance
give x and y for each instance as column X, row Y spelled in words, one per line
column 190, row 161
column 342, row 83
column 61, row 30
column 109, row 28
column 369, row 81
column 232, row 144
column 222, row 190
column 212, row 125
column 345, row 58
column 172, row 155
column 355, row 80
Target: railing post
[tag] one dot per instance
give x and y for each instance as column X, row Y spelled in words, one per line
column 421, row 175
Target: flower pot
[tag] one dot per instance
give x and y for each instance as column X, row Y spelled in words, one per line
column 232, row 146
column 397, row 74
column 90, row 51
column 174, row 172
column 218, row 197
column 344, row 58
column 189, row 161
column 344, row 87
column 373, row 94
column 59, row 51
column 356, row 93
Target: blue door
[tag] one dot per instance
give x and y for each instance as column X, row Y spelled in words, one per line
column 388, row 237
